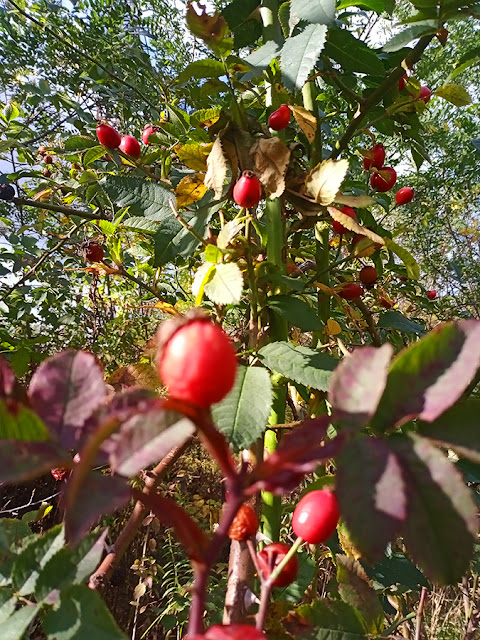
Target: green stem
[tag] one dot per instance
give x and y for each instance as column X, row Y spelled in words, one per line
column 309, row 95
column 272, row 29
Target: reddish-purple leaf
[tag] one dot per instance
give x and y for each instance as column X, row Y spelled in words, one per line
column 21, row 461
column 97, row 495
column 442, row 518
column 172, row 515
column 430, row 376
column 66, row 389
column 358, row 383
column 147, row 437
column 372, row 494
column 299, row 452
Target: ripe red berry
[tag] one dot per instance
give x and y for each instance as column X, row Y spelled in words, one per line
column 351, row 291
column 432, row 295
column 368, row 275
column 404, row 195
column 197, row 362
column 271, row 556
column 108, row 136
column 425, row 94
column 316, row 516
column 402, row 82
column 384, row 179
column 247, row 191
column 7, row 192
column 244, row 525
column 130, row 146
column 42, row 150
column 403, row 278
column 94, row 252
column 60, row 473
column 280, row 118
column 386, row 303
column 231, row 632
column 376, row 157
column 47, row 173
column 338, row 226
column 147, row 131
column 48, row 159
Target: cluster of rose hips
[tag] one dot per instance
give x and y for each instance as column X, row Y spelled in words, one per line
column 110, row 138
column 47, row 159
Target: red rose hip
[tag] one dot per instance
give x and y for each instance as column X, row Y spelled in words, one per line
column 376, row 157
column 338, row 226
column 108, row 136
column 431, row 295
column 404, row 195
column 94, row 252
column 130, row 146
column 271, row 556
column 368, row 275
column 280, row 118
column 316, row 516
column 247, row 191
column 384, row 179
column 197, row 362
column 351, row 291
column 425, row 94
column 147, row 131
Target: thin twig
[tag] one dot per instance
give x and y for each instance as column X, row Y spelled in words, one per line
column 419, row 620
column 68, row 211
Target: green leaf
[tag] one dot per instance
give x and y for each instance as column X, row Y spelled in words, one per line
column 172, row 240
column 352, row 54
column 314, row 11
column 206, row 68
column 337, row 619
column 23, row 424
column 20, row 361
column 30, row 562
column 299, row 55
column 79, row 143
column 440, row 506
column 411, row 33
column 298, row 312
column 11, row 111
column 237, row 12
column 8, row 603
column 430, row 376
column 225, row 284
column 458, row 428
column 303, row 365
column 355, row 590
column 242, row 416
column 454, row 93
column 202, row 117
column 147, row 199
column 81, row 614
column 14, row 627
column 413, row 270
column 375, row 508
column 260, row 59
column 144, row 225
column 396, row 570
column 379, row 6
column 93, row 154
column 396, row 320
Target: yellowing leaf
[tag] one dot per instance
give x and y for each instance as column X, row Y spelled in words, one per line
column 204, row 273
column 454, row 93
column 194, row 156
column 190, row 189
column 205, row 117
column 361, row 202
column 306, row 121
column 324, row 181
column 328, row 290
column 216, row 169
column 352, row 225
column 271, row 157
column 166, row 307
column 364, row 248
column 413, row 270
column 332, row 328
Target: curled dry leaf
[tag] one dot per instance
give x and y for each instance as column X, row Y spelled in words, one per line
column 216, row 169
column 352, row 225
column 306, row 121
column 271, row 157
column 323, row 182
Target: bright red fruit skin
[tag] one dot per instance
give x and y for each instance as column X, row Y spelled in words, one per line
column 280, row 118
column 247, row 191
column 432, row 295
column 351, row 291
column 108, row 136
column 94, row 252
column 403, row 278
column 271, row 556
column 230, row 632
column 316, row 516
column 198, row 363
column 368, row 275
column 378, row 153
column 425, row 94
column 147, row 131
column 379, row 183
column 59, row 473
column 130, row 146
column 337, row 226
column 404, row 195
column 402, row 81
